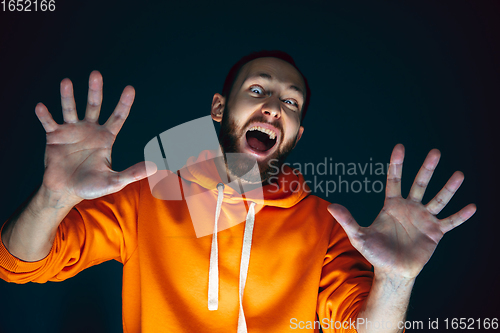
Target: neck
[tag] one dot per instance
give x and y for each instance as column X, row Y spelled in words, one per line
column 237, row 183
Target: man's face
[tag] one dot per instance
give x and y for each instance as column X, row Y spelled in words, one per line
column 261, row 117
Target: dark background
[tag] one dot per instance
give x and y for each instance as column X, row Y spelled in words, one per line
column 424, row 74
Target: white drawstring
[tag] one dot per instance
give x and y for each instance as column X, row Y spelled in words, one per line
column 245, row 261
column 213, row 274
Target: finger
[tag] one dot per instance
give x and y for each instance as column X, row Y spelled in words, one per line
column 444, row 196
column 116, row 120
column 393, row 188
column 68, row 102
column 424, row 175
column 94, row 98
column 134, row 173
column 45, row 118
column 457, row 219
column 345, row 219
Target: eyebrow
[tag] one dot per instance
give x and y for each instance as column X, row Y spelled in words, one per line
column 269, row 77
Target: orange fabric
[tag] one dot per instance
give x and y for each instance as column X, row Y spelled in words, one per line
column 302, row 265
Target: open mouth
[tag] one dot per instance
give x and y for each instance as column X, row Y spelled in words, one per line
column 261, row 139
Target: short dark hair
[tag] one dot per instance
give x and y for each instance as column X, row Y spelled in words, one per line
column 235, row 70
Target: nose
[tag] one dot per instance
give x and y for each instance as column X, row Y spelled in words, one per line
column 272, row 108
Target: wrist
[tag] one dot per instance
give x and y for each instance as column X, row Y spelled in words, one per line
column 47, row 198
column 393, row 280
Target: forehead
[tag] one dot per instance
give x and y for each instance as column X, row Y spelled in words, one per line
column 278, row 69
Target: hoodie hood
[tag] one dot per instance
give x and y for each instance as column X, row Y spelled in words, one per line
column 286, row 190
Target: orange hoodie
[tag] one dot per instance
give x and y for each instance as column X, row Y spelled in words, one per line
column 302, row 269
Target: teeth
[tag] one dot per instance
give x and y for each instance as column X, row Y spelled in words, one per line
column 263, row 130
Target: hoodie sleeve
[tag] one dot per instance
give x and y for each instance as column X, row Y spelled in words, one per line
column 94, row 231
column 346, row 279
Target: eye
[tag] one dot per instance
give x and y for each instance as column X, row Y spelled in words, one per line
column 291, row 102
column 257, row 90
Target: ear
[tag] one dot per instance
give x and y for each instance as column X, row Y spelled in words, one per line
column 218, row 104
column 299, row 135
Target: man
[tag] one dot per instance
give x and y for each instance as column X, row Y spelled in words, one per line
column 289, row 266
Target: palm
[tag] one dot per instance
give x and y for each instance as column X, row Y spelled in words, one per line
column 402, row 237
column 80, row 164
column 78, row 152
column 405, row 234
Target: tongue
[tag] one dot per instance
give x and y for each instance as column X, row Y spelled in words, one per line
column 256, row 144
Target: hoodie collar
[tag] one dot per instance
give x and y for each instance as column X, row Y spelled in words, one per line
column 285, row 190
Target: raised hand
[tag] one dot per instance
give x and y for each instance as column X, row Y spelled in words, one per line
column 405, row 234
column 78, row 152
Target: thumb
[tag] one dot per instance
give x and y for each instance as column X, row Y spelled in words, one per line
column 345, row 219
column 136, row 172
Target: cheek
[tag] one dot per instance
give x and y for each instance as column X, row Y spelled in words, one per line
column 292, row 129
column 241, row 110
